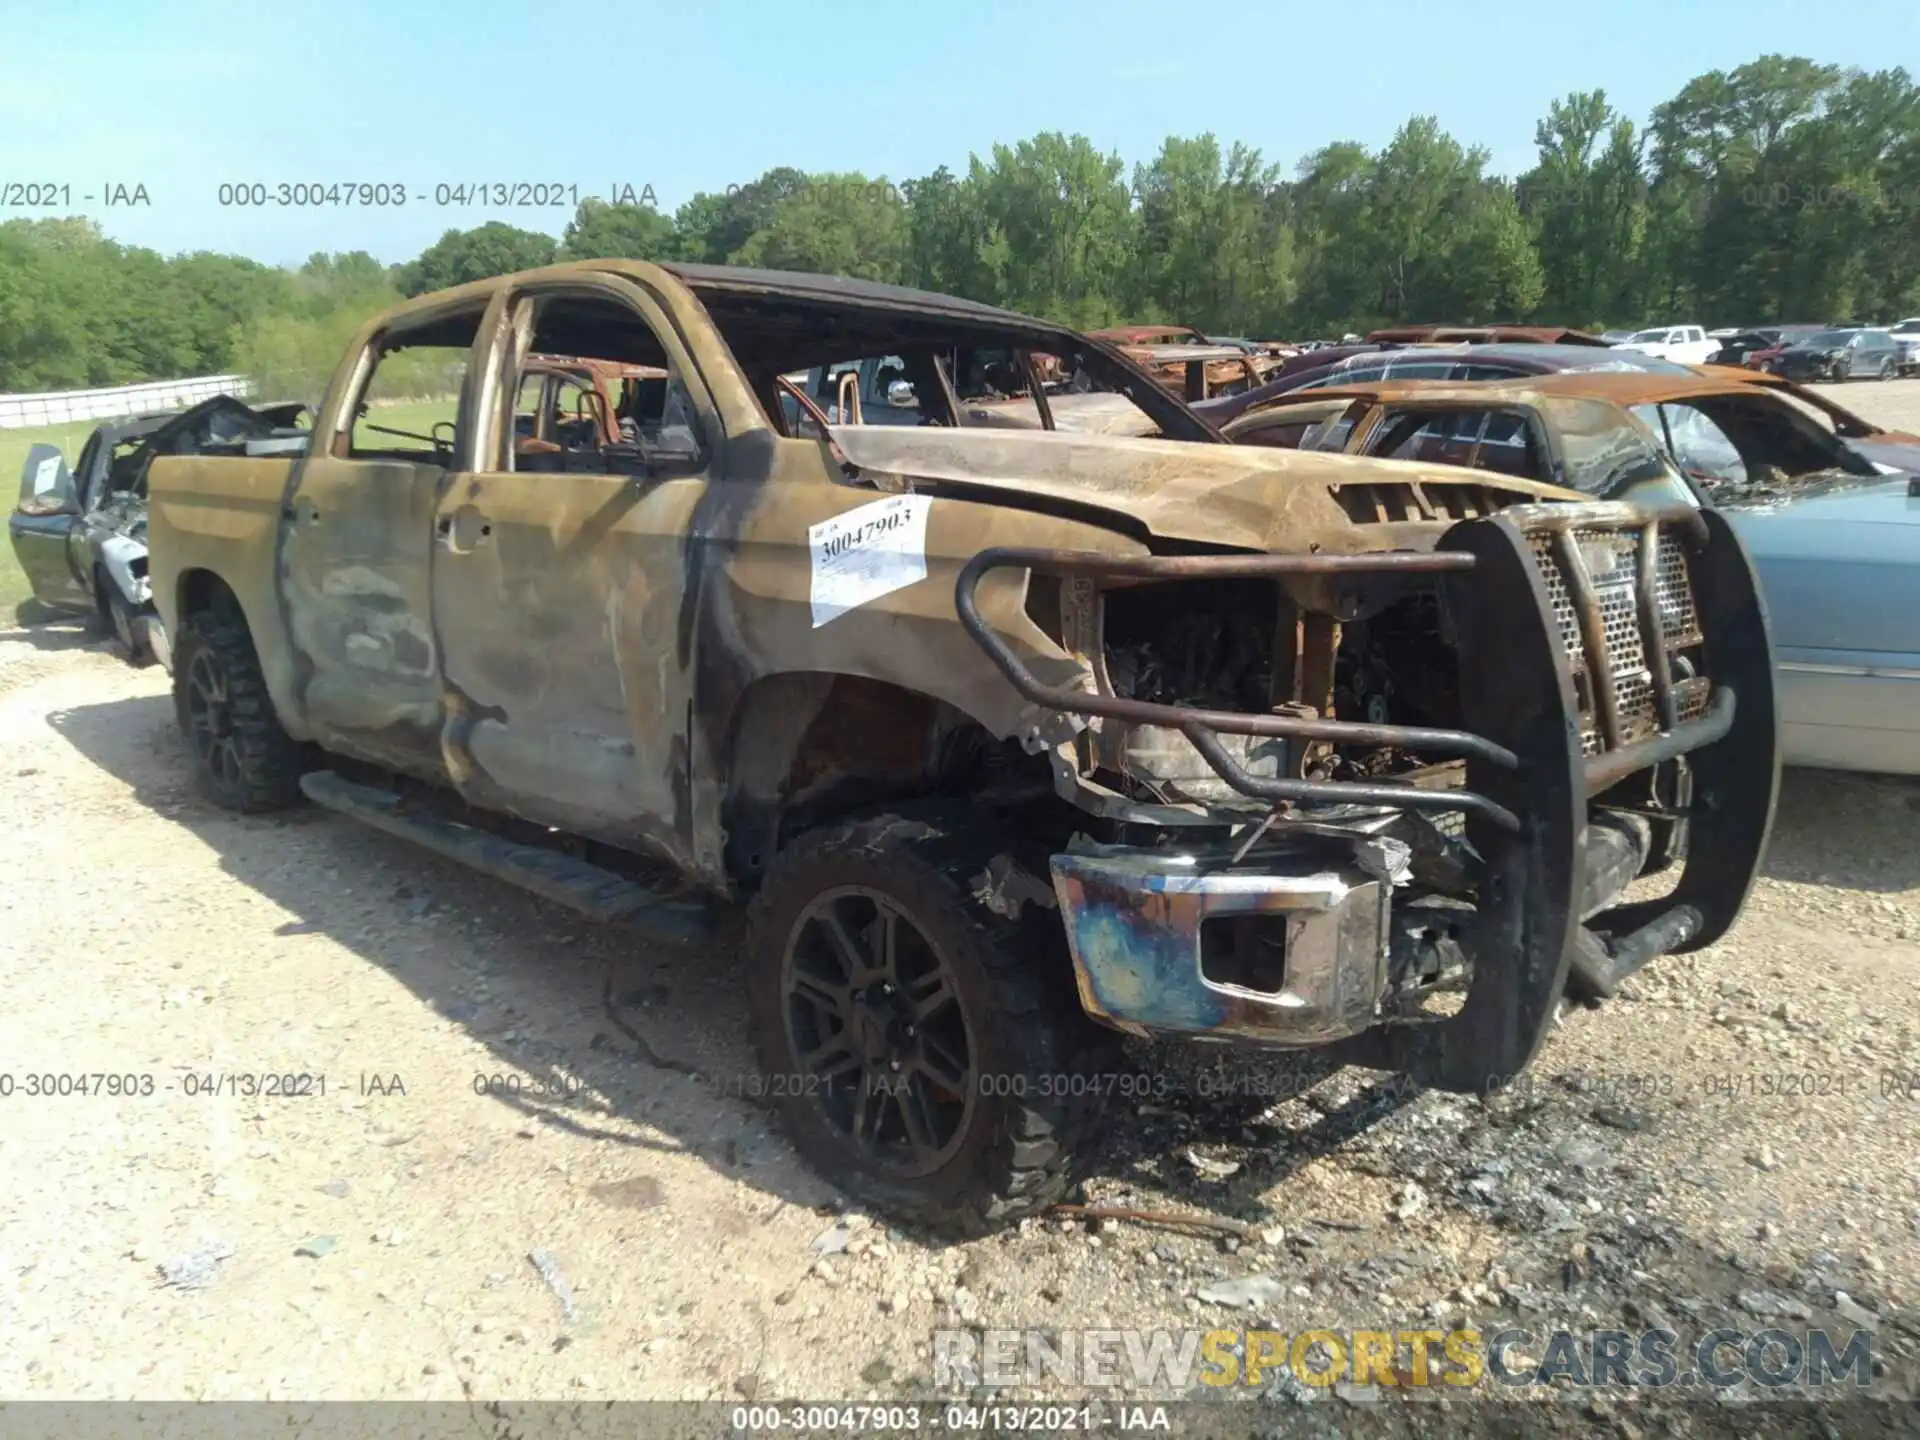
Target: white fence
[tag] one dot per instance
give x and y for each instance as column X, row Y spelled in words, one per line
column 58, row 407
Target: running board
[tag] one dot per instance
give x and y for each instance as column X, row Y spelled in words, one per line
column 593, row 891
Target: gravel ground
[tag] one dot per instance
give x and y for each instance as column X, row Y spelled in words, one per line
column 1890, row 404
column 1728, row 1144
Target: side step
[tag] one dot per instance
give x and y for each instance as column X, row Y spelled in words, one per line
column 591, row 890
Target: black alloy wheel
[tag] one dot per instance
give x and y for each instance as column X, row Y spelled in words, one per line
column 917, row 1027
column 875, row 1023
column 210, row 728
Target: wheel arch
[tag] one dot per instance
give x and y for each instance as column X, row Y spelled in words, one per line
column 807, row 746
column 200, row 590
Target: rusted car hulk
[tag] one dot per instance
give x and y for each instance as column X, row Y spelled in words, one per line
column 1000, row 732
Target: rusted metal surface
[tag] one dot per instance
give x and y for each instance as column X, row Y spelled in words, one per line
column 1656, row 388
column 1605, row 771
column 1150, row 335
column 1200, row 370
column 606, row 383
column 1198, row 724
column 1241, row 497
column 1653, row 627
column 1135, row 922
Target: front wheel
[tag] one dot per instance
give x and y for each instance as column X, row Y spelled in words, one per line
column 915, row 1021
column 129, row 626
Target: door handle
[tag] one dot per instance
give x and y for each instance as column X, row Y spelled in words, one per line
column 463, row 530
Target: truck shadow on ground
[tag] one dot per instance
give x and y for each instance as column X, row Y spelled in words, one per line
column 596, row 1032
column 608, row 1036
column 52, row 630
column 1832, row 827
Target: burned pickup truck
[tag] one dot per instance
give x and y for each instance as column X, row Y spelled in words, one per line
column 1009, row 739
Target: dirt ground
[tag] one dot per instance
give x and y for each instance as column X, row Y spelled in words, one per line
column 1734, row 1139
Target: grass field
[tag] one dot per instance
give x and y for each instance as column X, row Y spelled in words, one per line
column 419, row 417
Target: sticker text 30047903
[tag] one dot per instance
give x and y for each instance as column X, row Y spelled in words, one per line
column 870, row 551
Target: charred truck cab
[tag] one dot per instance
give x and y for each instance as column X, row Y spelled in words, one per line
column 1469, row 749
column 1007, row 737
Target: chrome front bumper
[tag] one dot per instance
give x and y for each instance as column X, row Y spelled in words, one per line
column 1289, row 947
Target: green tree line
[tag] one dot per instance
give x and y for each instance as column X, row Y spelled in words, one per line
column 1783, row 189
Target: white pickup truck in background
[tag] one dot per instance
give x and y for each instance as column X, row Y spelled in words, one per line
column 1684, row 344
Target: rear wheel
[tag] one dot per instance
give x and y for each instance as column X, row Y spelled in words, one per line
column 922, row 1046
column 242, row 759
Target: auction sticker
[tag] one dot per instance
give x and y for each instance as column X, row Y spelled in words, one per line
column 866, row 553
column 46, row 475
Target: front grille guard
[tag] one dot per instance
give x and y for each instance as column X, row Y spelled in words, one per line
column 1554, row 533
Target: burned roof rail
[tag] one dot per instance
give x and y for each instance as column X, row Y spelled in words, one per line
column 1202, row 726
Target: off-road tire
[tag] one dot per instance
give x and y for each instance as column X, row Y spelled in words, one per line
column 1014, row 979
column 269, row 762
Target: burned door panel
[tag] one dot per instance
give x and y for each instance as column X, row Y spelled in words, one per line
column 355, row 540
column 556, row 601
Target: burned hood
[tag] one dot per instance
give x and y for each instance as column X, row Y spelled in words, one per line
column 1244, row 497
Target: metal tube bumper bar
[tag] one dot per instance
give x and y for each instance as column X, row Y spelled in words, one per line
column 1203, row 727
column 1620, row 755
column 1610, row 768
column 1336, row 792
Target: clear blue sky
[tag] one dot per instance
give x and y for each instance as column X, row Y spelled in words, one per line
column 181, row 95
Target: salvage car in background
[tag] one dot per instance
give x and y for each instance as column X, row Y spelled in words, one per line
column 1366, row 365
column 1838, row 355
column 1718, row 426
column 1784, row 337
column 1513, row 428
column 1835, row 537
column 80, row 533
column 1687, row 344
column 1001, row 736
column 1484, row 335
column 1151, row 335
column 1201, row 372
column 1907, row 336
column 1737, row 346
